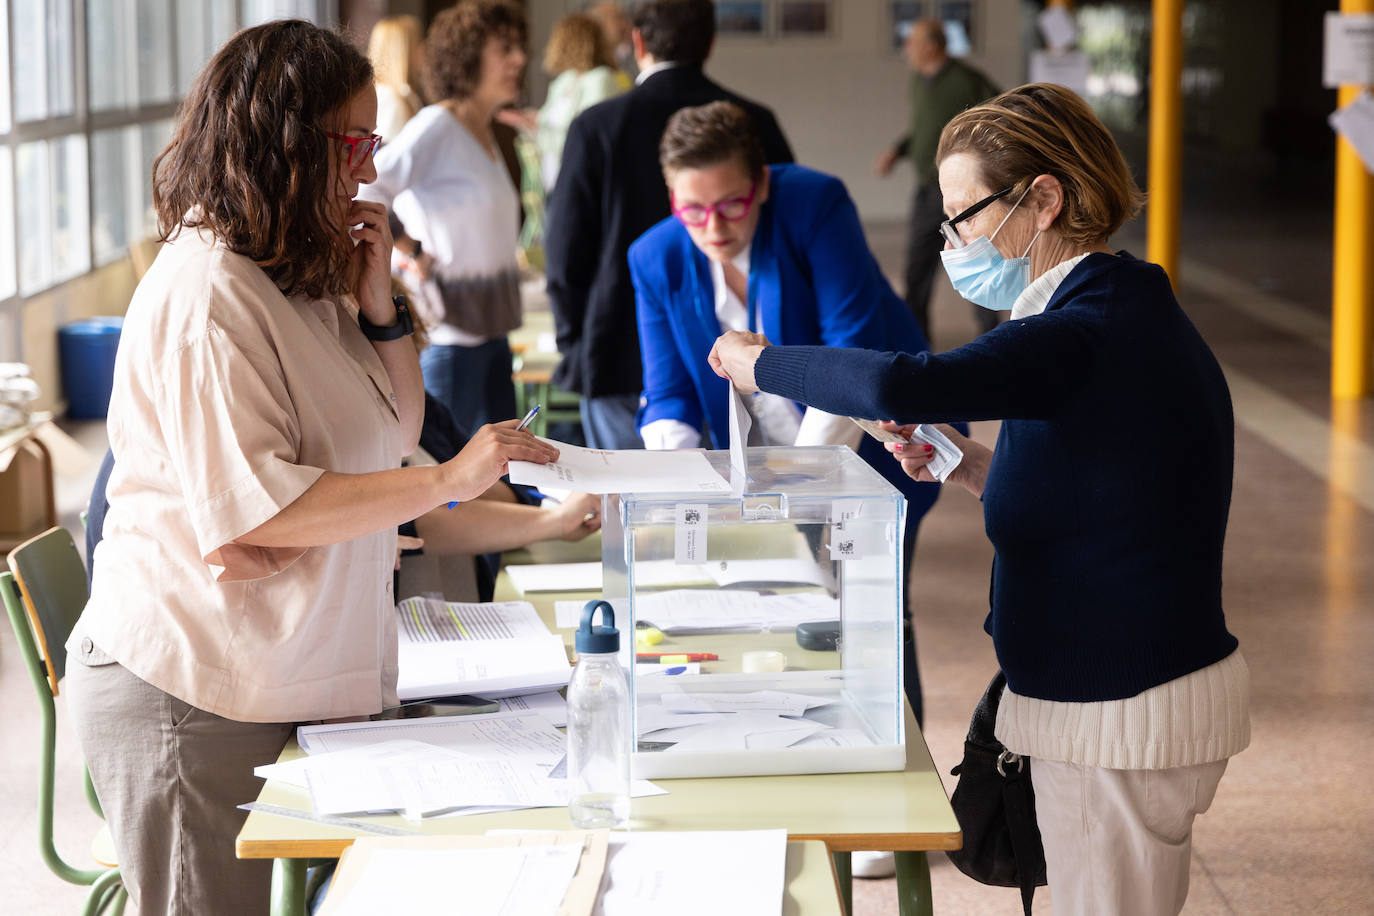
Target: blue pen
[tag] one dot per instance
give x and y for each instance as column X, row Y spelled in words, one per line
column 677, row 669
column 523, row 423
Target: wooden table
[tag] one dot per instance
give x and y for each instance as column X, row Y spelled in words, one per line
column 905, row 811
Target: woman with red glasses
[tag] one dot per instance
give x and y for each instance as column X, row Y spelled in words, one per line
column 265, row 392
column 773, row 248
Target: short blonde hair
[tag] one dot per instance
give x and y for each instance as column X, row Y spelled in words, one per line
column 1045, row 129
column 577, row 43
column 391, row 48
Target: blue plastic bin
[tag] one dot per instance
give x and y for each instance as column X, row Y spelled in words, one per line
column 87, row 351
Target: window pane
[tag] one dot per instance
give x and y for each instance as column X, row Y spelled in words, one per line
column 114, row 162
column 5, row 69
column 155, row 51
column 71, row 219
column 110, row 43
column 31, row 191
column 153, row 139
column 6, row 224
column 43, row 71
column 193, row 39
column 256, row 12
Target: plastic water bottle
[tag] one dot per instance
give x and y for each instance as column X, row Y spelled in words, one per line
column 598, row 725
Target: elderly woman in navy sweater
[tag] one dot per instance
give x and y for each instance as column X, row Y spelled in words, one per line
column 1123, row 683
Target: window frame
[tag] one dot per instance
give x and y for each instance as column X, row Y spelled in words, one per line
column 85, row 122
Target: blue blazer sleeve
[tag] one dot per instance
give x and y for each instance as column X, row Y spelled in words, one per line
column 669, row 387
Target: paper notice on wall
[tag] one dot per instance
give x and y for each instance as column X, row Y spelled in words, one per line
column 1355, row 122
column 1349, row 53
column 1064, row 68
column 1058, row 28
column 689, row 533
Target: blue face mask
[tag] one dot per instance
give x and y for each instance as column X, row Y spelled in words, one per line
column 980, row 274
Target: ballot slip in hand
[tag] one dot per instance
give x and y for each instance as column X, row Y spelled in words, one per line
column 947, row 454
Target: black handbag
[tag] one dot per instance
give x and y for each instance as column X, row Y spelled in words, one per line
column 995, row 805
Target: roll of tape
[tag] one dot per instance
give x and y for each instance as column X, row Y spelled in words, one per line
column 764, row 661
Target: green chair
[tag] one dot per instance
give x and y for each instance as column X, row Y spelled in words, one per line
column 44, row 595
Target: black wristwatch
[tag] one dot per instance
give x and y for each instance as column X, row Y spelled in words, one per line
column 401, row 328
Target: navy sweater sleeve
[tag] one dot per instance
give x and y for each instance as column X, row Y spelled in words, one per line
column 1019, row 370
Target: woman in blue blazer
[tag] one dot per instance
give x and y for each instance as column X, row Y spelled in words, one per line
column 777, row 249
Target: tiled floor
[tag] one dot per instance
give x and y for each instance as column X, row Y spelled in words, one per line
column 1292, row 828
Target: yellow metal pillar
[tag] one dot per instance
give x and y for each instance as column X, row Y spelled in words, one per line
column 1352, row 281
column 1166, row 135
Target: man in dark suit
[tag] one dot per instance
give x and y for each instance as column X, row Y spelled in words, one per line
column 609, row 192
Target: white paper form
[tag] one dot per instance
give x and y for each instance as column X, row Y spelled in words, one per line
column 550, row 705
column 293, row 772
column 774, row 702
column 507, row 735
column 621, row 471
column 740, row 424
column 586, row 577
column 437, row 781
column 509, row 881
column 662, row 873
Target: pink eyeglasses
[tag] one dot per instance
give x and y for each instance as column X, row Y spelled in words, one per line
column 732, row 211
column 359, row 148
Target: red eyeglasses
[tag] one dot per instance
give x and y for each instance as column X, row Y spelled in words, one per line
column 359, row 148
column 732, row 211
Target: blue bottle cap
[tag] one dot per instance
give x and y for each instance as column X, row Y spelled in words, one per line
column 592, row 640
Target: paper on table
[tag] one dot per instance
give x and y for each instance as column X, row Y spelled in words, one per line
column 621, row 471
column 586, row 577
column 550, row 705
column 746, row 731
column 293, row 772
column 447, row 648
column 579, row 897
column 776, row 702
column 836, row 737
column 740, row 424
column 509, row 735
column 705, row 610
column 661, row 873
column 513, row 881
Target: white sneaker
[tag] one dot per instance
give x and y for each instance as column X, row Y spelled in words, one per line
column 873, row 865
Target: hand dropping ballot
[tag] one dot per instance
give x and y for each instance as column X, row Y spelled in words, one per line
column 947, row 454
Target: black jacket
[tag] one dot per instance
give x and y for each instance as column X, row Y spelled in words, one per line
column 609, row 192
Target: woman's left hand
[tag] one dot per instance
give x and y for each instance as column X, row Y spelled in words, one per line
column 372, row 261
column 733, row 358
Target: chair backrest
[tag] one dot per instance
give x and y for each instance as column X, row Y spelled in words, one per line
column 52, row 580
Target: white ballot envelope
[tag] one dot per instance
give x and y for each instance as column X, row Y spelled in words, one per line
column 947, row 454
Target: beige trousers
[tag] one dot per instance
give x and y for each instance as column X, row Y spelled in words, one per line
column 1119, row 841
column 169, row 777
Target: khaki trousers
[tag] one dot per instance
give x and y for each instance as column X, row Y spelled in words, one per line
column 169, row 777
column 1119, row 841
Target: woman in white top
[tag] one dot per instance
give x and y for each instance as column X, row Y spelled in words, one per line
column 396, row 50
column 445, row 181
column 584, row 74
column 265, row 392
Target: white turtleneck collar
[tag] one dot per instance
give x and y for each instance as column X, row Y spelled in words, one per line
column 1035, row 297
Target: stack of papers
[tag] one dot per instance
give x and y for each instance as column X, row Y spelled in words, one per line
column 420, row 767
column 707, row 610
column 490, row 650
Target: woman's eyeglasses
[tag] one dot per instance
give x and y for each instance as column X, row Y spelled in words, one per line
column 359, row 148
column 951, row 234
column 732, row 211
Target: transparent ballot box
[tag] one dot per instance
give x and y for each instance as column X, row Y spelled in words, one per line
column 785, row 600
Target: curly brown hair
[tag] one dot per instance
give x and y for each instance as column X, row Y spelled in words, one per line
column 577, row 43
column 249, row 159
column 456, row 39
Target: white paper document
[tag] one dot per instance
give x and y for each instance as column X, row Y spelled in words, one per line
column 586, row 577
column 663, row 873
column 621, row 471
column 694, row 610
column 1355, row 122
column 550, row 705
column 511, row 881
column 492, row 649
column 511, row 735
column 740, row 424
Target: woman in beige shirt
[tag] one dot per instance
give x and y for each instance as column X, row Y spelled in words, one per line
column 265, row 393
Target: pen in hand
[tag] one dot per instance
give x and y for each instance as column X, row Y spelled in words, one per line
column 523, row 423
